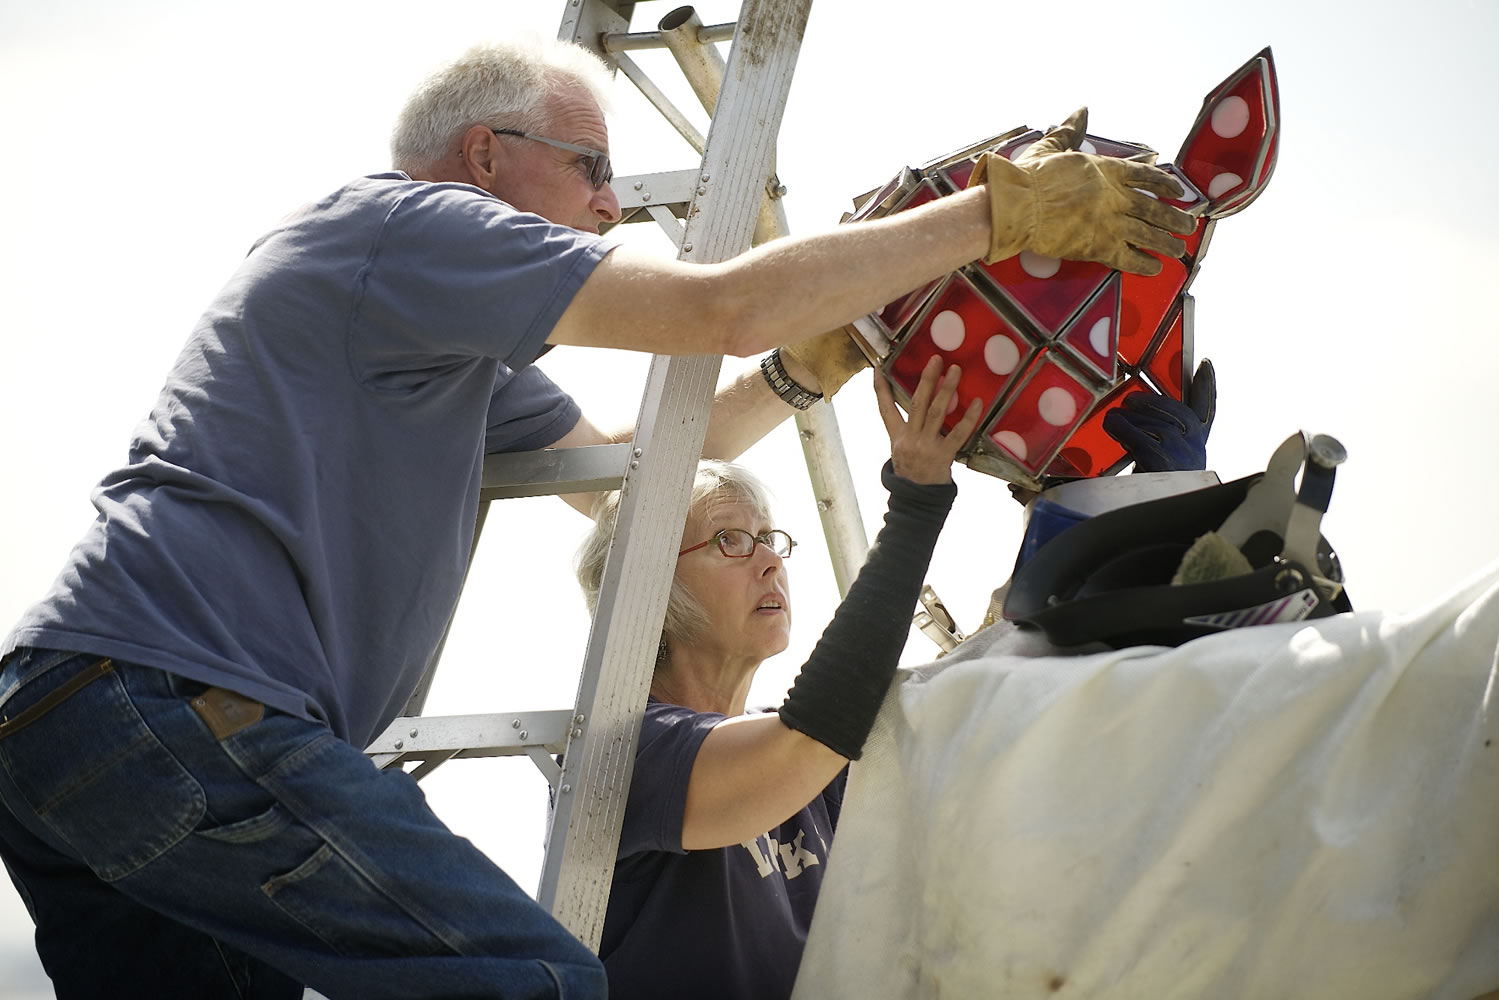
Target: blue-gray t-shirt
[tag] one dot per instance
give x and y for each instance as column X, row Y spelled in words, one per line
column 728, row 923
column 295, row 514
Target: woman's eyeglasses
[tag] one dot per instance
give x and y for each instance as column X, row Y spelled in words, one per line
column 736, row 543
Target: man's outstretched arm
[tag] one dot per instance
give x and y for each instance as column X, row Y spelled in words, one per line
column 1053, row 200
column 743, row 412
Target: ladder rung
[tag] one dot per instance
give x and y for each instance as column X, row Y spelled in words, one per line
column 625, row 41
column 442, row 737
column 670, row 187
column 555, row 471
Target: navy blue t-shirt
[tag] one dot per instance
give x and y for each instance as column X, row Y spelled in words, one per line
column 294, row 517
column 724, row 923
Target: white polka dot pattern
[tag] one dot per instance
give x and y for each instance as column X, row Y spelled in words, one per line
column 1230, row 117
column 1001, row 354
column 1013, row 442
column 1225, row 181
column 1038, row 266
column 948, row 331
column 1057, row 407
column 1098, row 337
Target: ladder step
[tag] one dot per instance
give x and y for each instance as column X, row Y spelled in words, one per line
column 668, row 187
column 436, row 738
column 628, row 41
column 555, row 471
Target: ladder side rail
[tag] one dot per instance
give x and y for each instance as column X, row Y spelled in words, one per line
column 588, row 808
column 491, row 734
column 833, row 488
column 822, row 446
column 554, row 471
column 586, row 822
column 685, row 36
column 682, row 33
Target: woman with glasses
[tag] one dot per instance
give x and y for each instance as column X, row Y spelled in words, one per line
column 730, row 816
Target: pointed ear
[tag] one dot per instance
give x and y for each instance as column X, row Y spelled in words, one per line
column 481, row 156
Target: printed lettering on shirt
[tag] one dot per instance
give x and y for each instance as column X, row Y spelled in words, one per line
column 790, row 858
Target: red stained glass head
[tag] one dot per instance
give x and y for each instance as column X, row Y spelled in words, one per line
column 1049, row 346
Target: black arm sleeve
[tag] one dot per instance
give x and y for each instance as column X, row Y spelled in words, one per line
column 840, row 688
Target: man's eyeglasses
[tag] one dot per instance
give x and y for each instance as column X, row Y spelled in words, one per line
column 599, row 170
column 736, row 543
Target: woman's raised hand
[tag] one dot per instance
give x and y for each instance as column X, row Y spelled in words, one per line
column 919, row 450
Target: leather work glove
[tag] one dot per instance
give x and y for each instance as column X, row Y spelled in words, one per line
column 1162, row 434
column 832, row 358
column 1058, row 202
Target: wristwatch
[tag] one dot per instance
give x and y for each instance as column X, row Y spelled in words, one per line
column 784, row 385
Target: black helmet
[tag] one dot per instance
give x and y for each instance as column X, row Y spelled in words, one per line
column 1248, row 552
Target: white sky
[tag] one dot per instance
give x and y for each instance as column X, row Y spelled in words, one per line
column 148, row 144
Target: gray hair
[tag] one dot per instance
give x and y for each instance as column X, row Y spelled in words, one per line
column 505, row 84
column 715, row 483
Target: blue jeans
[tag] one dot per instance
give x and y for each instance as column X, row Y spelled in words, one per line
column 166, row 849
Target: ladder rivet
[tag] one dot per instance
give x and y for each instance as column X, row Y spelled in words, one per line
column 823, row 505
column 413, row 734
column 687, row 248
column 522, row 734
column 807, row 435
column 634, row 465
column 639, row 185
column 706, row 178
column 638, row 453
column 514, row 723
column 399, row 744
column 577, row 732
column 646, row 196
column 566, row 789
column 580, row 718
column 702, row 189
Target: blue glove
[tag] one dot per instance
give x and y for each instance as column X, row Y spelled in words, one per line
column 1163, row 435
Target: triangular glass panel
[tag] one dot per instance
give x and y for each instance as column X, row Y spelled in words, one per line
column 1047, row 291
column 1192, row 201
column 1146, row 301
column 1092, row 337
column 1169, row 361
